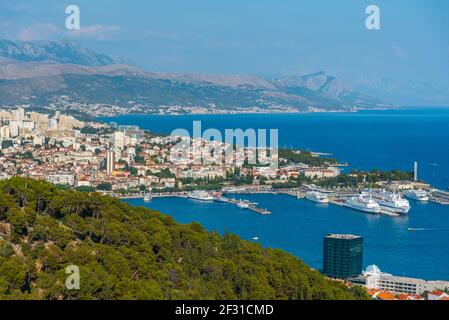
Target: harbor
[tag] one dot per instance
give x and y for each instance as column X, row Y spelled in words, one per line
column 298, row 224
column 199, row 195
column 373, row 201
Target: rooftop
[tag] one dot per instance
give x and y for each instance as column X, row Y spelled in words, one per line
column 343, row 236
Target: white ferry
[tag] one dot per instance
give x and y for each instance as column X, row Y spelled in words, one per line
column 418, row 195
column 363, row 203
column 235, row 190
column 221, row 199
column 317, row 197
column 200, row 195
column 391, row 201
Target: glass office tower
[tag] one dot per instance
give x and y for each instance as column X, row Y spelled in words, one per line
column 343, row 255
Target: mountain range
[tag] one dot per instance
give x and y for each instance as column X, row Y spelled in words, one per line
column 36, row 72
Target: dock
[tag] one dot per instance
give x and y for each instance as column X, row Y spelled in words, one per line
column 252, row 206
column 259, row 210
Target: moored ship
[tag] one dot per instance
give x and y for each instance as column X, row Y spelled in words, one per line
column 363, row 203
column 200, row 195
column 390, row 201
column 317, row 197
column 418, row 195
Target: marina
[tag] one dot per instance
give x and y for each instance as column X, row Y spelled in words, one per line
column 199, row 196
column 372, row 201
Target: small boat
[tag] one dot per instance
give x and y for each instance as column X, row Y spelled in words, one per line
column 416, row 229
column 243, row 205
column 255, row 238
column 147, row 197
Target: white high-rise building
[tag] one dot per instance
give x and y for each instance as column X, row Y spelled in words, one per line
column 19, row 114
column 110, row 161
column 14, row 127
column 4, row 132
column 119, row 140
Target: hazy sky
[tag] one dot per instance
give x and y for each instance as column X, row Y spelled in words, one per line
column 252, row 36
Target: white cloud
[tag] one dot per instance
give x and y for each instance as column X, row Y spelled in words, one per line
column 96, row 31
column 159, row 35
column 5, row 24
column 49, row 31
column 399, row 52
column 39, row 31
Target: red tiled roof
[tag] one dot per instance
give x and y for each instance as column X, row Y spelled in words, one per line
column 385, row 295
column 437, row 292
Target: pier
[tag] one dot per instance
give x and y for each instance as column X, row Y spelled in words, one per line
column 259, row 210
column 252, row 206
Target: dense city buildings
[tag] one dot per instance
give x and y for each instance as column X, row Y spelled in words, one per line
column 125, row 159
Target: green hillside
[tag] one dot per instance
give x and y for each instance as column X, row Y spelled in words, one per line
column 126, row 252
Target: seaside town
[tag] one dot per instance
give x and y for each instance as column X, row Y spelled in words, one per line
column 65, row 104
column 108, row 157
column 126, row 162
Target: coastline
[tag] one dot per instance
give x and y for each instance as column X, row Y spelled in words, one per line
column 283, row 112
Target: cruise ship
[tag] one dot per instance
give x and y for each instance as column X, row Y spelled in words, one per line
column 200, row 195
column 317, row 197
column 363, row 203
column 390, row 201
column 418, row 195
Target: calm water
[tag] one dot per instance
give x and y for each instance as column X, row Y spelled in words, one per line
column 372, row 139
column 298, row 227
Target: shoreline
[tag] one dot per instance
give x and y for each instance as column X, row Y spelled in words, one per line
column 252, row 113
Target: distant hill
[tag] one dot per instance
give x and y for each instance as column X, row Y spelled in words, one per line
column 53, row 51
column 405, row 92
column 125, row 252
column 34, row 73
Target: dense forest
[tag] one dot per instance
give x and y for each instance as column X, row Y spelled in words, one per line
column 126, row 252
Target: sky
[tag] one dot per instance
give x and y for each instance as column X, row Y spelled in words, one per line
column 268, row 37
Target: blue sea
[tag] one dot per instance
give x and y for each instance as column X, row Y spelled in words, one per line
column 391, row 139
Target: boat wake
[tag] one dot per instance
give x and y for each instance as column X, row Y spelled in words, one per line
column 428, row 229
column 431, row 164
